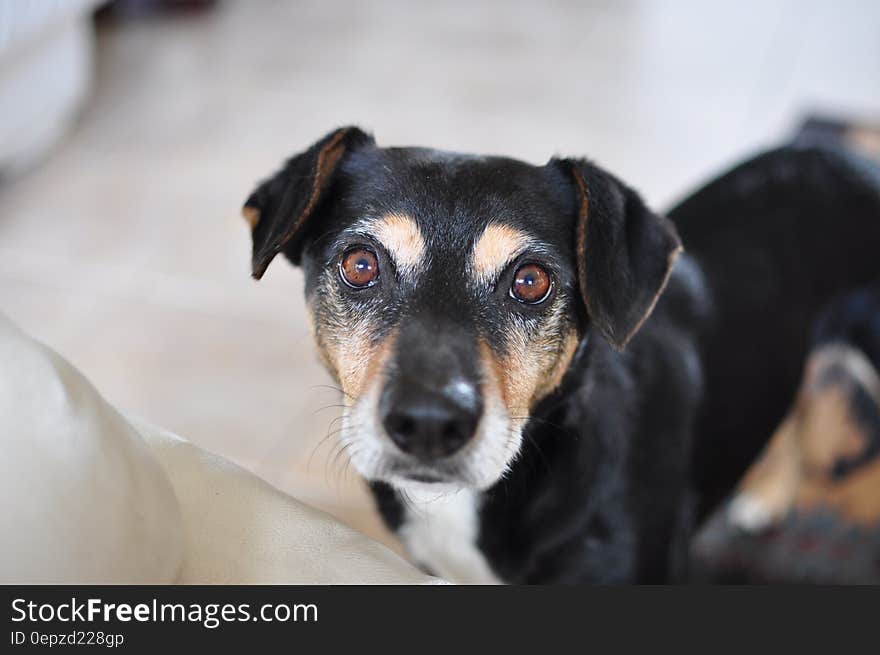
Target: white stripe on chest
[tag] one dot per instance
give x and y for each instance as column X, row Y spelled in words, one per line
column 440, row 530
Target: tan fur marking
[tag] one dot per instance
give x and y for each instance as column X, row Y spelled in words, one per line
column 355, row 361
column 251, row 215
column 377, row 361
column 323, row 352
column 856, row 497
column 346, row 342
column 529, row 371
column 554, row 376
column 796, row 468
column 773, row 480
column 495, row 248
column 402, row 239
column 491, row 366
column 829, row 432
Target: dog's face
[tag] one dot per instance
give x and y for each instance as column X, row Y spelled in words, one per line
column 448, row 293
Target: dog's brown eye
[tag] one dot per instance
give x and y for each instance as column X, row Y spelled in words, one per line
column 531, row 284
column 359, row 268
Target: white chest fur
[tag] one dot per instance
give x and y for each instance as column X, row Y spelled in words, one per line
column 440, row 531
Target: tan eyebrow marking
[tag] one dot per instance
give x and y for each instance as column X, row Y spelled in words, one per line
column 495, row 249
column 402, row 238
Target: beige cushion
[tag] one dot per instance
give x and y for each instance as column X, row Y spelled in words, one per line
column 240, row 529
column 89, row 496
column 82, row 499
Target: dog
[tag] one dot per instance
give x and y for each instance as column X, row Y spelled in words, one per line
column 777, row 239
column 808, row 509
column 522, row 351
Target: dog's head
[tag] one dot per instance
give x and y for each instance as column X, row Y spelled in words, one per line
column 449, row 292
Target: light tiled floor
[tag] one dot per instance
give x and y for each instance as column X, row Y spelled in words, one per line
column 126, row 251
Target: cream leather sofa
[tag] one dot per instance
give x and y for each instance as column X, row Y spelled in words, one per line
column 88, row 495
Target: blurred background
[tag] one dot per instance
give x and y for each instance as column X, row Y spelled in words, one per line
column 131, row 133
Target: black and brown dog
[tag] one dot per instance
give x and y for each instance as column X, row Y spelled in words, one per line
column 808, row 509
column 541, row 388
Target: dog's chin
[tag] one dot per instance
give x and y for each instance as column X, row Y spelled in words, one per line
column 443, row 477
column 409, row 476
column 477, row 468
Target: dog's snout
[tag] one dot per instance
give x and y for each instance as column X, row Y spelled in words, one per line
column 429, row 425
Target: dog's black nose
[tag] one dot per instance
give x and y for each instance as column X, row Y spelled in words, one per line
column 429, row 425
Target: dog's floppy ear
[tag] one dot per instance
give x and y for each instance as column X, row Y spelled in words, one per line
column 624, row 251
column 279, row 209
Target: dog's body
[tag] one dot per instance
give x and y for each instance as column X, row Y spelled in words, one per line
column 523, row 354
